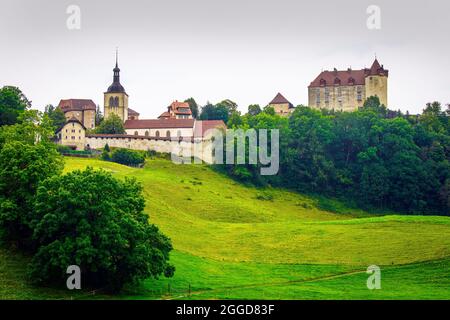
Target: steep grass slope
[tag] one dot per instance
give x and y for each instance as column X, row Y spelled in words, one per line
column 226, row 235
column 229, row 242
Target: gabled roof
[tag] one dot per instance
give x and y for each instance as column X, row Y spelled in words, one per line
column 159, row 123
column 164, row 115
column 76, row 105
column 71, row 120
column 280, row 99
column 131, row 112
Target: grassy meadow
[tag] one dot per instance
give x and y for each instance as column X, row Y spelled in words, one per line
column 239, row 242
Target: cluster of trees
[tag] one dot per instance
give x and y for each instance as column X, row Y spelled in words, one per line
column 373, row 156
column 86, row 218
column 112, row 125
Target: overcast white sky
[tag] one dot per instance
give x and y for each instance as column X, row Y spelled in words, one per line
column 243, row 50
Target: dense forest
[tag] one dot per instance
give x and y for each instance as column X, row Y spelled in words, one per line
column 375, row 157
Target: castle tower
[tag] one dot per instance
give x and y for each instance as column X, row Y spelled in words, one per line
column 115, row 98
column 376, row 79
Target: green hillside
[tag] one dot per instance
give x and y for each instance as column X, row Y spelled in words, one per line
column 233, row 241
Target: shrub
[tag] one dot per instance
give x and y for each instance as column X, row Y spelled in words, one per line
column 128, row 157
column 105, row 155
column 264, row 195
column 63, row 149
column 95, row 221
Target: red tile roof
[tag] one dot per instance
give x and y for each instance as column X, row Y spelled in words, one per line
column 329, row 78
column 176, row 106
column 202, row 126
column 159, row 123
column 131, row 112
column 280, row 99
column 349, row 76
column 76, row 105
column 164, row 115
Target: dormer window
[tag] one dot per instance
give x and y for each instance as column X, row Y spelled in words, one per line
column 337, row 82
column 323, row 82
column 351, row 81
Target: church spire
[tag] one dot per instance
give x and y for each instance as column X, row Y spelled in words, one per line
column 116, row 86
column 117, row 56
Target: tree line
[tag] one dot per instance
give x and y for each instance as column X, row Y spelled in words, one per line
column 375, row 157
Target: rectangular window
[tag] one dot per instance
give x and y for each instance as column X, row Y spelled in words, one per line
column 359, row 94
column 318, row 96
column 327, row 95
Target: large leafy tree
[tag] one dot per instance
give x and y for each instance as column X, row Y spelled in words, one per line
column 12, row 104
column 193, row 106
column 215, row 112
column 373, row 104
column 111, row 125
column 98, row 116
column 93, row 220
column 254, row 109
column 27, row 157
column 231, row 106
column 56, row 115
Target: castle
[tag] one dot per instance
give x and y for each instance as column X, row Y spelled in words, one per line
column 174, row 129
column 347, row 90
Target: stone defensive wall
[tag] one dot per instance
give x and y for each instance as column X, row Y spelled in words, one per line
column 179, row 146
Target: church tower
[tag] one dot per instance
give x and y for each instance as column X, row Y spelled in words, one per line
column 115, row 98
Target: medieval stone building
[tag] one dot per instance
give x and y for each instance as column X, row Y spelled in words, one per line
column 81, row 109
column 347, row 90
column 72, row 134
column 281, row 105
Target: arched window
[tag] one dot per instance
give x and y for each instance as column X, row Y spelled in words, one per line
column 116, row 101
column 146, row 133
column 111, row 101
column 168, row 133
column 157, row 134
column 136, row 133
